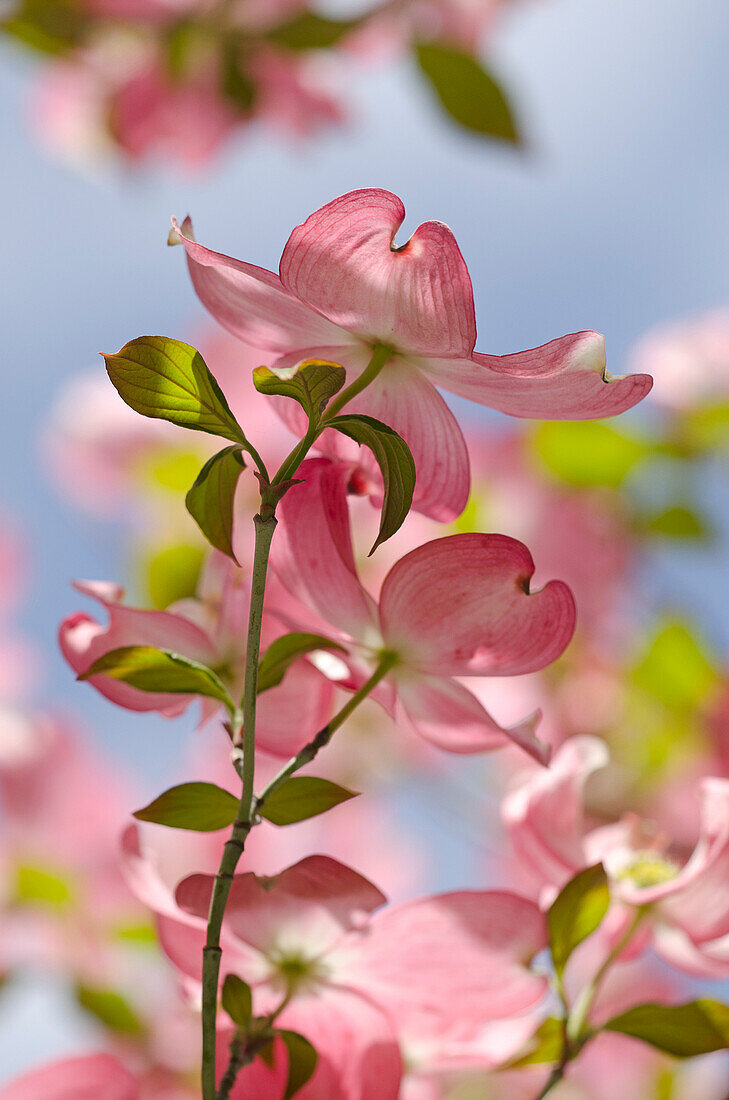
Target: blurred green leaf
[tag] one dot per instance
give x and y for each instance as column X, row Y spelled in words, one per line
column 169, row 380
column 43, row 886
column 158, row 670
column 469, row 94
column 577, row 912
column 200, row 807
column 676, row 669
column 302, row 1061
column 237, row 85
column 684, row 1031
column 237, row 1000
column 47, row 26
column 211, row 499
column 676, row 522
column 141, row 934
column 707, row 426
column 172, row 574
column 282, row 652
column 301, row 797
column 586, row 453
column 310, row 31
column 111, row 1009
column 545, row 1044
column 396, row 465
column 313, row 386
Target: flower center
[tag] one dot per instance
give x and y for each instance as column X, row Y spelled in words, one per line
column 647, row 869
column 293, row 971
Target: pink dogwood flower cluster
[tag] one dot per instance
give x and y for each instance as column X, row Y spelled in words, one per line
column 284, row 970
column 178, row 79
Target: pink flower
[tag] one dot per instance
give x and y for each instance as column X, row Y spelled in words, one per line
column 427, row 975
column 344, row 289
column 689, row 903
column 210, row 630
column 457, row 606
column 89, row 1078
column 690, row 360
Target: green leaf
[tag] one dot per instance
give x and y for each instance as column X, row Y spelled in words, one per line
column 211, row 499
column 576, row 912
column 110, row 1009
column 301, row 797
column 313, row 385
column 676, row 669
column 42, row 886
column 47, row 26
column 396, row 464
column 302, row 1061
column 158, row 670
column 469, row 94
column 310, row 31
column 685, row 1031
column 676, row 522
column 707, row 426
column 545, row 1044
column 169, row 380
column 171, row 574
column 586, row 453
column 237, row 85
column 237, row 1000
column 284, row 651
column 201, row 807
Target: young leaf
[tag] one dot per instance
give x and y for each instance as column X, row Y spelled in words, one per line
column 169, row 380
column 210, row 500
column 302, row 1061
column 201, row 807
column 685, row 1031
column 301, row 797
column 576, row 912
column 395, row 462
column 284, row 651
column 469, row 94
column 158, row 670
column 237, row 1000
column 110, row 1008
column 313, row 385
column 545, row 1044
column 310, row 31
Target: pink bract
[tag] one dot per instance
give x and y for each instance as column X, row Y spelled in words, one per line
column 358, row 990
column 89, row 1078
column 455, row 607
column 344, row 288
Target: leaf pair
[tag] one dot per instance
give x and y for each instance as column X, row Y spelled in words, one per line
column 313, row 385
column 169, row 380
column 205, row 807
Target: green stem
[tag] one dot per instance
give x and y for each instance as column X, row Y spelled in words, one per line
column 576, row 1034
column 380, row 354
column 240, row 1057
column 291, row 464
column 243, row 823
column 554, row 1078
column 324, row 736
column 578, row 1017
